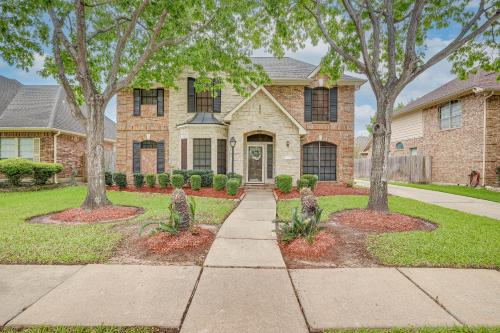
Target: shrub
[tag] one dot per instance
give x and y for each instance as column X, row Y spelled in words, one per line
column 349, row 183
column 302, row 182
column 498, row 173
column 284, row 183
column 43, row 171
column 206, row 175
column 301, row 226
column 177, row 180
column 138, row 180
column 195, row 181
column 312, row 179
column 232, row 186
column 220, row 182
column 164, row 180
column 16, row 169
column 231, row 175
column 151, row 180
column 120, row 179
column 108, row 178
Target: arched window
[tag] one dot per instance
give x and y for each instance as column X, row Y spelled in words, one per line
column 400, row 146
column 148, row 144
column 259, row 138
column 320, row 158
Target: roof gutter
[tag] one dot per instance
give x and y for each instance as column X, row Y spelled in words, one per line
column 55, row 153
column 46, row 129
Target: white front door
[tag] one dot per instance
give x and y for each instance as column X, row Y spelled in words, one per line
column 255, row 163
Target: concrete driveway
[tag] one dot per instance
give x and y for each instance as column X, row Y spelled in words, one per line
column 465, row 204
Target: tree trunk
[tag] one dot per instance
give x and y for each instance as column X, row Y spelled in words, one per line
column 380, row 155
column 96, row 188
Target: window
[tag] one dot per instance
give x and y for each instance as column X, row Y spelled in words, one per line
column 149, row 96
column 320, row 104
column 26, row 148
column 202, row 154
column 221, row 156
column 8, row 148
column 148, row 144
column 450, row 115
column 204, row 102
column 17, row 148
column 320, row 158
column 400, row 146
column 413, row 151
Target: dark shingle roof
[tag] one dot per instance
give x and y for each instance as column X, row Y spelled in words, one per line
column 483, row 80
column 40, row 106
column 204, row 118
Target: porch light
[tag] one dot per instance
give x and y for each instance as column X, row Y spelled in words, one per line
column 232, row 142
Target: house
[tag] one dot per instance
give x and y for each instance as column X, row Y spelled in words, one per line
column 36, row 124
column 458, row 124
column 293, row 126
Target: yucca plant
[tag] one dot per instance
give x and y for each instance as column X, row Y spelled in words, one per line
column 171, row 225
column 301, row 226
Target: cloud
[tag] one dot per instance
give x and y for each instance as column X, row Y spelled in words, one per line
column 362, row 116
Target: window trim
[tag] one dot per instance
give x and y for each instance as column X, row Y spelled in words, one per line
column 207, row 143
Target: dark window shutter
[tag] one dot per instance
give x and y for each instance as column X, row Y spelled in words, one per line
column 191, row 95
column 159, row 104
column 307, row 104
column 136, row 157
column 218, row 101
column 137, row 102
column 333, row 104
column 184, row 155
column 160, row 157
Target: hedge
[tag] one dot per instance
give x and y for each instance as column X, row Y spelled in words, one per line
column 232, row 186
column 220, row 182
column 206, row 175
column 312, row 179
column 164, row 180
column 237, row 176
column 120, row 179
column 177, row 180
column 108, row 178
column 43, row 171
column 284, row 183
column 151, row 180
column 138, row 180
column 195, row 181
column 302, row 182
column 16, row 168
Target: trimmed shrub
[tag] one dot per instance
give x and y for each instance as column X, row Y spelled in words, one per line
column 43, row 171
column 151, row 180
column 195, row 181
column 108, row 178
column 177, row 180
column 15, row 169
column 164, row 180
column 231, row 175
column 232, row 186
column 120, row 179
column 220, row 182
column 312, row 179
column 138, row 180
column 301, row 183
column 284, row 183
column 206, row 176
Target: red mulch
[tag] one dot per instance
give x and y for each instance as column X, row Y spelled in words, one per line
column 95, row 215
column 300, row 248
column 165, row 243
column 381, row 222
column 323, row 189
column 203, row 192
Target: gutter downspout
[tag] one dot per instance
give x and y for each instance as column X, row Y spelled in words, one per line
column 55, row 153
column 484, row 138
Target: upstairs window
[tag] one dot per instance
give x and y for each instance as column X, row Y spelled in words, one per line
column 148, row 144
column 320, row 105
column 450, row 115
column 204, row 102
column 149, row 96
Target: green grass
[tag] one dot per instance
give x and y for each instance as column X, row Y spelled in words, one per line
column 79, row 329
column 21, row 242
column 455, row 329
column 466, row 191
column 461, row 240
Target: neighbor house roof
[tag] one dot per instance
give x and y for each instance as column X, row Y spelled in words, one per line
column 484, row 81
column 40, row 107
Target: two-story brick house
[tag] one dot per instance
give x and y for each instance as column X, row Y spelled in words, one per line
column 294, row 125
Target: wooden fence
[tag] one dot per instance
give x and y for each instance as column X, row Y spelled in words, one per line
column 411, row 169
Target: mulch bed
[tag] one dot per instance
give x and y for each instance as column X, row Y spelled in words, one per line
column 75, row 216
column 203, row 192
column 347, row 233
column 165, row 243
column 323, row 189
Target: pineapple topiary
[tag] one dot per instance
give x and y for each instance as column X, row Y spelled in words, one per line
column 181, row 206
column 309, row 202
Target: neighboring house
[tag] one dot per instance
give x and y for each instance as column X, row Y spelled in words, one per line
column 360, row 143
column 457, row 124
column 295, row 125
column 36, row 124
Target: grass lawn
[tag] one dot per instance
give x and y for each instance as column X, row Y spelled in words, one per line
column 21, row 242
column 79, row 329
column 466, row 191
column 461, row 240
column 455, row 329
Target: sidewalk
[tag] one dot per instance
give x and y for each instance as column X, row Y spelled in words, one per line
column 465, row 204
column 244, row 286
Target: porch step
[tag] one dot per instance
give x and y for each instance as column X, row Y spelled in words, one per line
column 258, row 186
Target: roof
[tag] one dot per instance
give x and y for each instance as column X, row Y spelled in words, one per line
column 287, row 68
column 203, row 118
column 40, row 106
column 483, row 80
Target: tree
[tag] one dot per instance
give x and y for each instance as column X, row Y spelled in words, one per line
column 387, row 41
column 95, row 48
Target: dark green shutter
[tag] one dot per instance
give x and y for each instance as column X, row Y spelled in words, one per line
column 307, row 104
column 136, row 157
column 333, row 104
column 191, row 95
column 159, row 105
column 137, row 102
column 217, row 100
column 160, row 157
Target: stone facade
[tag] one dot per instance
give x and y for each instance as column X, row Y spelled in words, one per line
column 456, row 152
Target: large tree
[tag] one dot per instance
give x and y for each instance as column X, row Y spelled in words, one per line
column 94, row 48
column 387, row 40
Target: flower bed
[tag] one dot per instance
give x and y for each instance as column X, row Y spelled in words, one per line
column 197, row 239
column 323, row 189
column 299, row 248
column 203, row 192
column 86, row 216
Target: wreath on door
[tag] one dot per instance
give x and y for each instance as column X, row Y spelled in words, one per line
column 255, row 154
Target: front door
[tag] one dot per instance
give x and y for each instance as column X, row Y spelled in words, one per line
column 255, row 163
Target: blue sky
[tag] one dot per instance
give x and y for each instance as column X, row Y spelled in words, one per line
column 365, row 104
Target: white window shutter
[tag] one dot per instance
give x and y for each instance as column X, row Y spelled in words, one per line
column 36, row 149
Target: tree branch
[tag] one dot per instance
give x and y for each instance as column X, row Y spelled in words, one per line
column 58, row 24
column 391, row 39
column 83, row 72
column 411, row 37
column 374, row 18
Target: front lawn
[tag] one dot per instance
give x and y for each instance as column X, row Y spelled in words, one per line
column 466, row 191
column 461, row 240
column 81, row 329
column 21, row 242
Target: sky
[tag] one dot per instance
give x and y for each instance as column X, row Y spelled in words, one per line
column 365, row 104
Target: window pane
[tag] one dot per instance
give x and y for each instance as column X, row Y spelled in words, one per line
column 202, row 154
column 204, row 102
column 445, row 123
column 456, row 108
column 149, row 96
column 221, row 156
column 8, row 148
column 320, row 104
column 26, row 148
column 445, row 111
column 455, row 121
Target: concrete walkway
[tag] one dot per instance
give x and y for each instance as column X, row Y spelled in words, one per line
column 457, row 202
column 244, row 286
